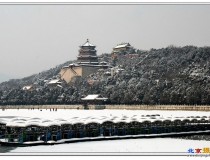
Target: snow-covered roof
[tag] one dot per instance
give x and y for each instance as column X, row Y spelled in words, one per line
column 54, row 81
column 120, row 69
column 101, row 121
column 107, row 72
column 3, row 121
column 73, row 65
column 27, row 87
column 59, row 86
column 88, row 44
column 26, row 121
column 62, row 122
column 103, row 62
column 122, row 45
column 88, row 121
column 94, row 97
column 19, row 121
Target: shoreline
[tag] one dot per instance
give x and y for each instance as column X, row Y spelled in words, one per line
column 113, row 107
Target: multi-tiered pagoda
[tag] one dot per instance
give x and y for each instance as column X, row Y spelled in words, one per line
column 87, row 63
column 87, row 54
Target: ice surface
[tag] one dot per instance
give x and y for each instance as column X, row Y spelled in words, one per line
column 120, row 146
column 68, row 113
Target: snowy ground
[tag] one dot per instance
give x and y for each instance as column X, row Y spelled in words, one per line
column 157, row 146
column 154, row 146
column 67, row 113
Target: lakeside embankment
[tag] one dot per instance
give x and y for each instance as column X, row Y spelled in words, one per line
column 117, row 107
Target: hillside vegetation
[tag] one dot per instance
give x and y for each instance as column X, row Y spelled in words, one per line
column 172, row 75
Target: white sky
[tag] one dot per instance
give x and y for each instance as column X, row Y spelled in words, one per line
column 34, row 38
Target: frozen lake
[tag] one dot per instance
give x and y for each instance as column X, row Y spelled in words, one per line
column 157, row 146
column 128, row 147
column 69, row 113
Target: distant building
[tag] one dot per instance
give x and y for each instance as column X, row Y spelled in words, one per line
column 96, row 99
column 68, row 72
column 28, row 88
column 87, row 54
column 116, row 70
column 87, row 63
column 55, row 83
column 122, row 49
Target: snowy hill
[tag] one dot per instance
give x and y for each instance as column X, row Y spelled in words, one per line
column 172, row 75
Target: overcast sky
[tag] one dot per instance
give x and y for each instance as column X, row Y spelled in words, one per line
column 34, row 38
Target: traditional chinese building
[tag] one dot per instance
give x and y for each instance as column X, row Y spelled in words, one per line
column 122, row 49
column 87, row 54
column 87, row 63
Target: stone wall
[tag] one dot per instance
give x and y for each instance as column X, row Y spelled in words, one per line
column 87, row 70
column 68, row 73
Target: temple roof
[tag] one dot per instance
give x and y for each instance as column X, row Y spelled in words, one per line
column 54, row 81
column 88, row 44
column 122, row 45
column 94, row 97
